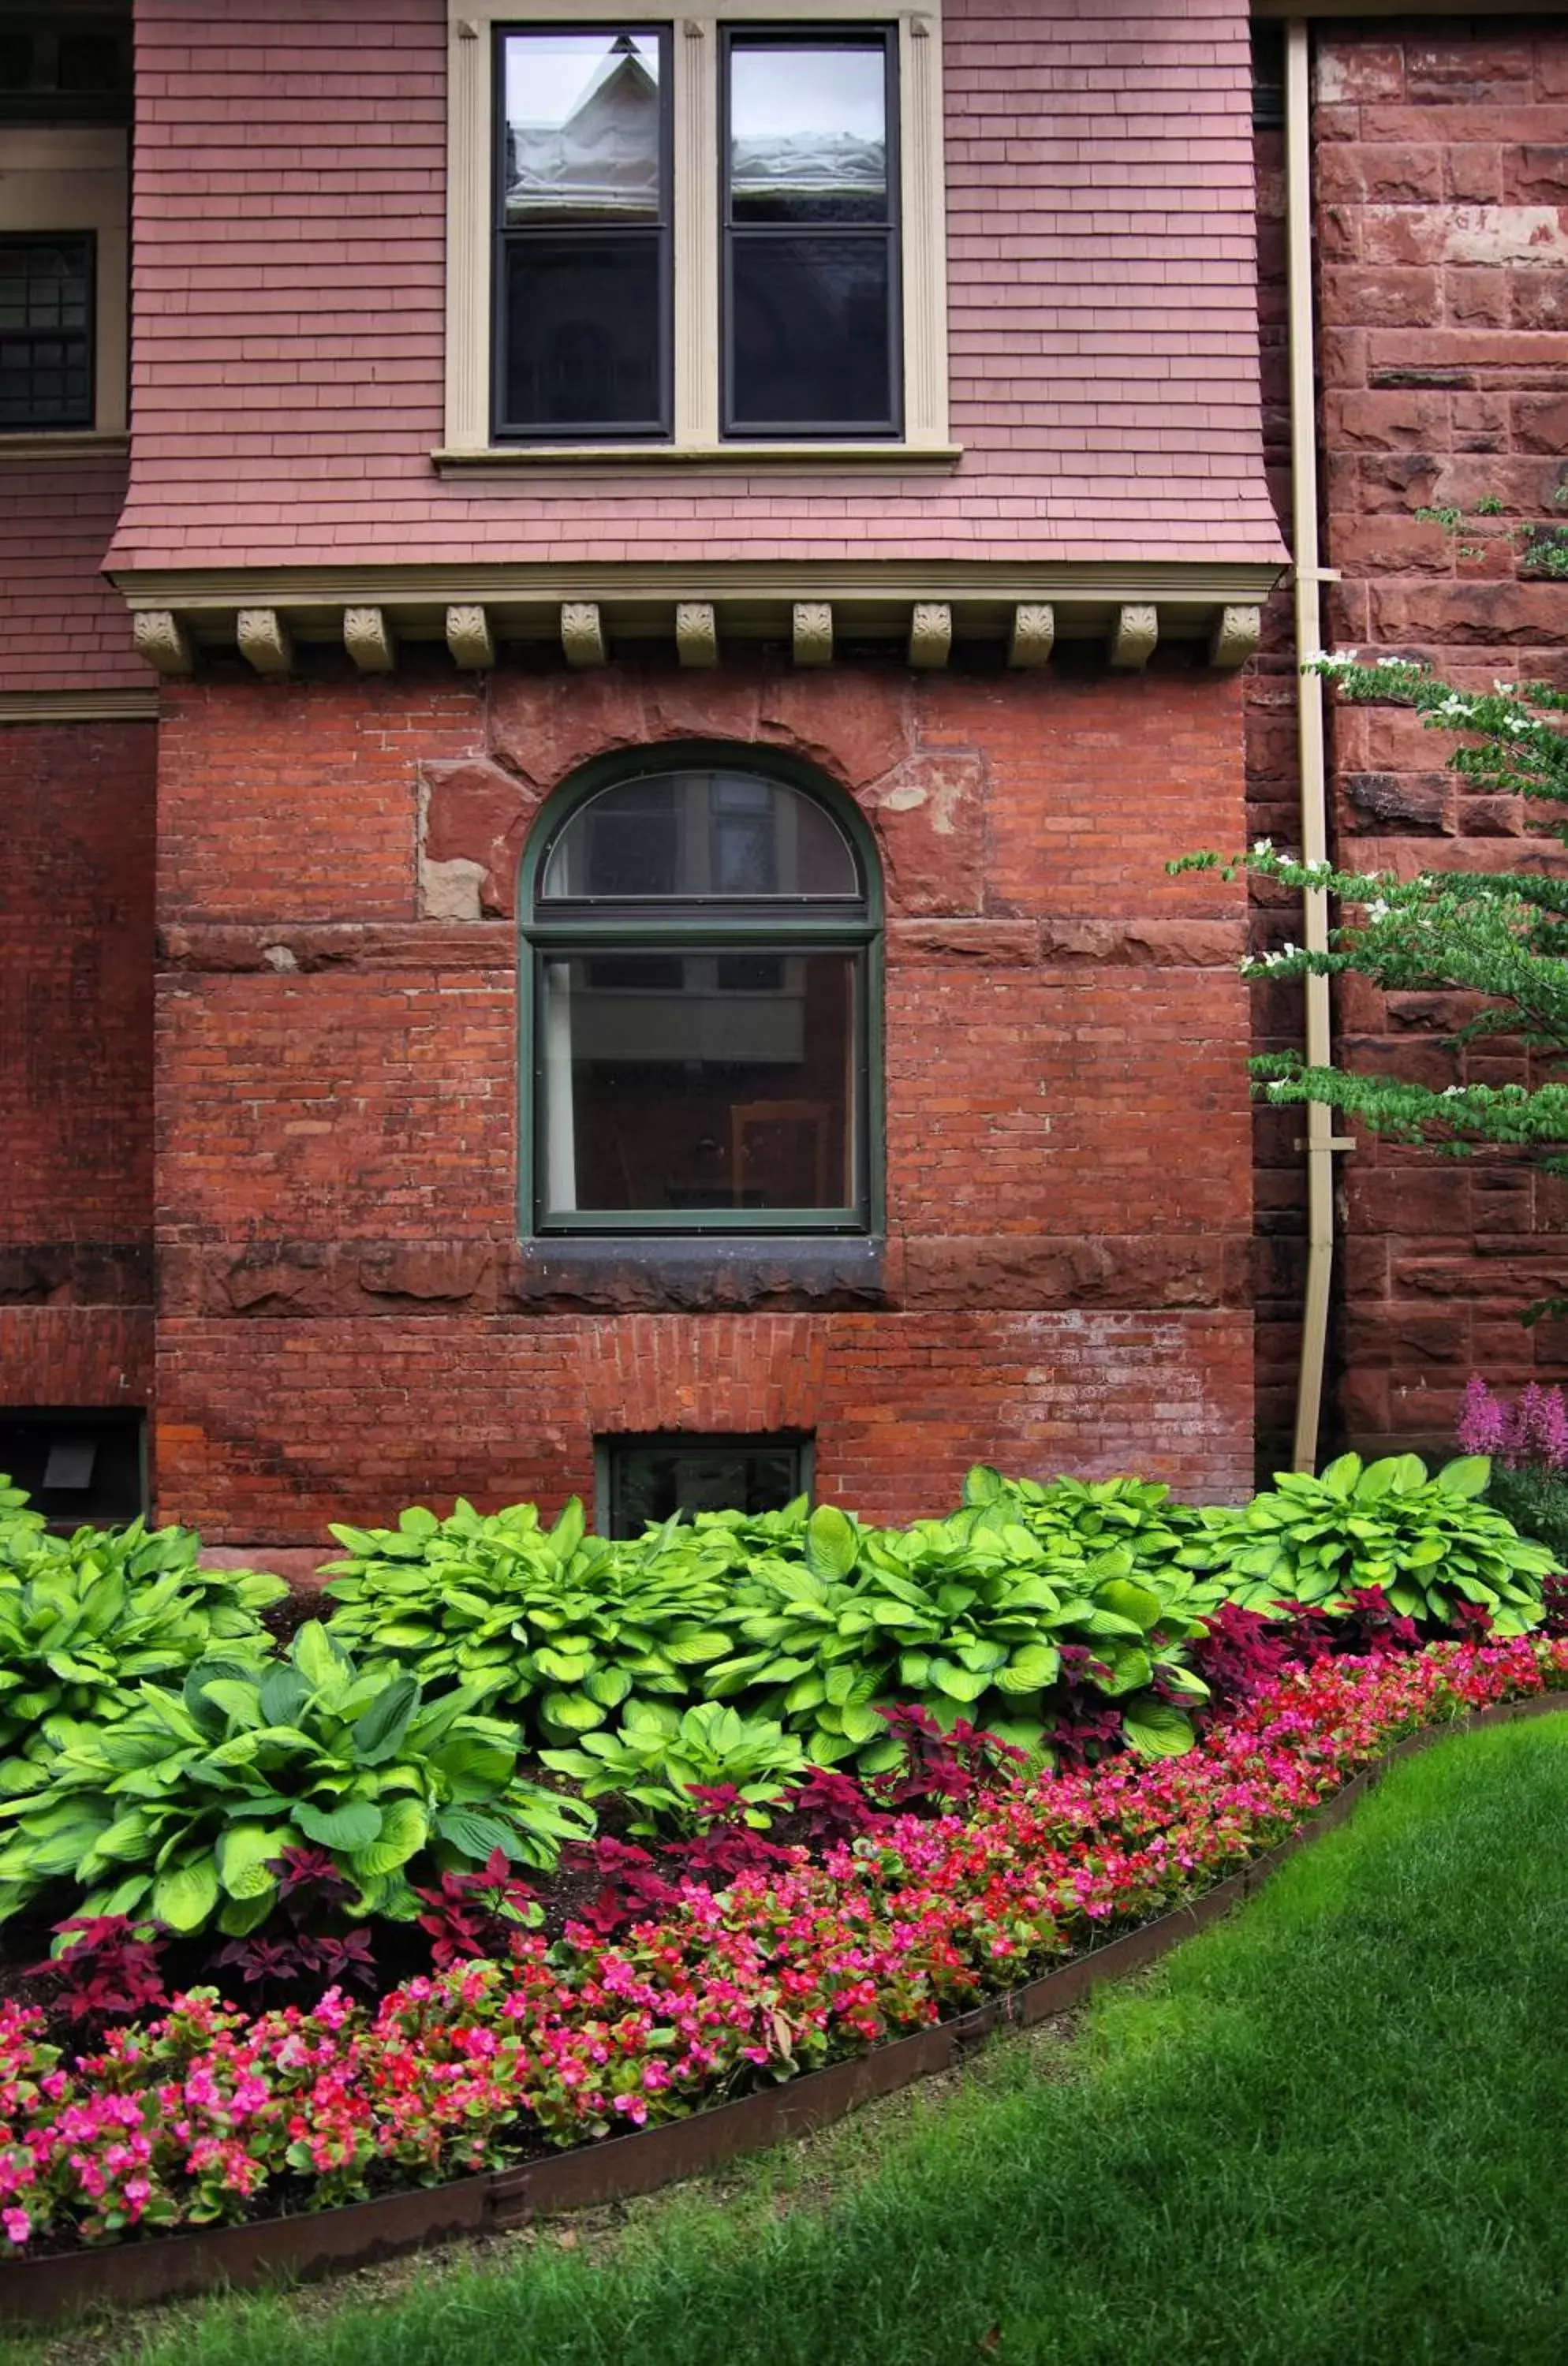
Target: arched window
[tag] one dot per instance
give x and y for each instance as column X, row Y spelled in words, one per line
column 700, row 1011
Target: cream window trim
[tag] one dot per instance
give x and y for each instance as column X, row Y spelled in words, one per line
column 694, row 46
column 78, row 180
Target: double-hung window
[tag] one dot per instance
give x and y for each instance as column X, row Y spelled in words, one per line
column 695, row 234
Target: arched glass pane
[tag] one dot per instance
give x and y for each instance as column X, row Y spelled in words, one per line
column 699, row 837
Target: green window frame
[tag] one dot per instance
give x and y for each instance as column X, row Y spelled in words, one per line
column 553, row 926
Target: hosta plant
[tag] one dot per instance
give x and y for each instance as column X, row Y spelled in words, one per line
column 183, row 1810
column 1429, row 1543
column 18, row 1522
column 661, row 1762
column 560, row 1627
column 966, row 1616
column 87, row 1620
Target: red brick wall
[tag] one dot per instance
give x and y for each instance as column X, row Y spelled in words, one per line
column 289, row 294
column 77, row 1063
column 1440, row 153
column 347, row 1318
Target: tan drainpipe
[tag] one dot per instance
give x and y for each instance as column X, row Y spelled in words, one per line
column 1320, row 1143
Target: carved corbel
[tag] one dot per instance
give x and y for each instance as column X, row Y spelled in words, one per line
column 1033, row 633
column 582, row 634
column 696, row 633
column 931, row 634
column 163, row 640
column 367, row 637
column 812, row 633
column 469, row 638
column 1132, row 637
column 1237, row 634
column 264, row 640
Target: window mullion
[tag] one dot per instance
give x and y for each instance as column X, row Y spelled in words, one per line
column 695, row 70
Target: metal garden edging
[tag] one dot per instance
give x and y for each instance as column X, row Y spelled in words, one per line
column 313, row 2244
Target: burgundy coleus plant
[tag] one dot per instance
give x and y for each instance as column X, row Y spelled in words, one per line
column 631, row 1887
column 831, row 1807
column 111, row 1968
column 471, row 1915
column 1237, row 1656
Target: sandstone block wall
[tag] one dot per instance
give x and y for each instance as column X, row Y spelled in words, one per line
column 1441, row 161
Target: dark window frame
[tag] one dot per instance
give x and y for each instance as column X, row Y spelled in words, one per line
column 611, row 1447
column 779, row 925
column 661, row 429
column 36, row 424
column 805, row 35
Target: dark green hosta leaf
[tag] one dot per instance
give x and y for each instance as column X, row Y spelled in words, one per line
column 476, row 1836
column 378, row 1731
column 350, row 1827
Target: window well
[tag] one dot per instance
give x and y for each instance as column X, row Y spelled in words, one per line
column 82, row 1467
column 644, row 1479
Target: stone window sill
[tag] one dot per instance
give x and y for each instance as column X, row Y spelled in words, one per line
column 632, row 460
column 699, row 1275
column 67, row 444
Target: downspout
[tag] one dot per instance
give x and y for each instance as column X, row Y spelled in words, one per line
column 1321, row 1142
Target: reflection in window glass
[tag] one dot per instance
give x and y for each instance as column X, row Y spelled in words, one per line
column 702, row 835
column 583, row 127
column 810, row 235
column 582, row 275
column 700, row 1094
column 807, row 132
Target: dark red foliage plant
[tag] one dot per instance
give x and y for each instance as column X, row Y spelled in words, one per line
column 830, row 1807
column 110, row 1969
column 1085, row 1726
column 298, row 1949
column 1375, row 1625
column 474, row 1914
column 1554, row 1601
column 1238, row 1656
column 941, row 1770
column 631, row 1887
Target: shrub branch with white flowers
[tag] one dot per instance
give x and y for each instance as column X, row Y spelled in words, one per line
column 1500, row 937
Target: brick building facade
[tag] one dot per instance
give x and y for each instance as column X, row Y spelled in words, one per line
column 300, row 678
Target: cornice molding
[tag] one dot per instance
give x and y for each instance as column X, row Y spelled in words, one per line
column 1064, row 584
column 589, row 613
column 79, row 705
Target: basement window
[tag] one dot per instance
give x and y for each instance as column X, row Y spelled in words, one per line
column 649, row 1478
column 82, row 1467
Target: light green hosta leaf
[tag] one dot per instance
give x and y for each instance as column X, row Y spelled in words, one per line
column 245, row 1856
column 1156, row 1730
column 832, row 1547
column 318, row 1659
column 1138, row 1604
column 404, row 1831
column 571, row 1712
column 958, row 1683
column 1464, row 1478
column 1339, row 1479
column 185, row 1896
column 1030, row 1670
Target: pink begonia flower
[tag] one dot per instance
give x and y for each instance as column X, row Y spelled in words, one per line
column 17, row 2225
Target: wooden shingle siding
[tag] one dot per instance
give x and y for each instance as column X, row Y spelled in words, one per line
column 289, row 303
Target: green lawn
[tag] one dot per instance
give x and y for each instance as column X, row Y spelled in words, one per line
column 1332, row 2130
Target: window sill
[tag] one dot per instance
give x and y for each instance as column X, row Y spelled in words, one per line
column 62, row 444
column 709, row 1274
column 724, row 459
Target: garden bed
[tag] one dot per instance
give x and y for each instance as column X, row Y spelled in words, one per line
column 820, row 1985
